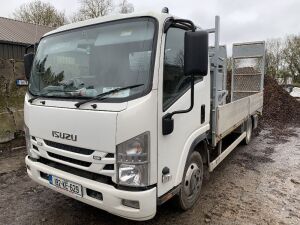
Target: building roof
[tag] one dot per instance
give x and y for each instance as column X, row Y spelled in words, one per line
column 15, row 31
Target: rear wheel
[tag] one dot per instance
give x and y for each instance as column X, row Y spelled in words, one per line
column 249, row 128
column 191, row 182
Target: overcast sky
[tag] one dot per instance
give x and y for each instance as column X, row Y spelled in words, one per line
column 241, row 20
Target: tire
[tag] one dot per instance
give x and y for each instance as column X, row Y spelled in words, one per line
column 191, row 182
column 249, row 129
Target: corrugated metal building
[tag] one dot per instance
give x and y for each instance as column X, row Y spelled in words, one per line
column 15, row 36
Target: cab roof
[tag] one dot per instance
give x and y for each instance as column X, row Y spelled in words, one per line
column 161, row 17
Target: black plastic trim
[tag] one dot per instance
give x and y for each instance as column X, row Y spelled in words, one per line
column 203, row 116
column 109, row 167
column 69, row 160
column 69, row 148
column 200, row 138
column 94, row 194
column 90, row 175
column 170, row 194
column 78, row 172
column 128, row 188
column 110, row 155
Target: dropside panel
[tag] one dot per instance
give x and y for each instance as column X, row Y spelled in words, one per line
column 231, row 115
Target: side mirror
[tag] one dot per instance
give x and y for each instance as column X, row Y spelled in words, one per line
column 28, row 61
column 196, row 53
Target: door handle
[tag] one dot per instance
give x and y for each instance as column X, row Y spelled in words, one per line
column 202, row 114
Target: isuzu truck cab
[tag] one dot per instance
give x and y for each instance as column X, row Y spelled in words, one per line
column 127, row 111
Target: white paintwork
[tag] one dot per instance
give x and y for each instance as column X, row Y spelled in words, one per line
column 95, row 130
column 111, row 196
column 139, row 117
column 173, row 149
column 110, row 124
column 256, row 103
column 236, row 112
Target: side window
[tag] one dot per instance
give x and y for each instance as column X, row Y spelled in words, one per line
column 174, row 81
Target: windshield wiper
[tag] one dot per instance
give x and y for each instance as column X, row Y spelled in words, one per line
column 78, row 104
column 45, row 95
column 34, row 98
column 63, row 85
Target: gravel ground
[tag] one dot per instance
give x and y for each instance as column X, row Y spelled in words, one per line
column 256, row 184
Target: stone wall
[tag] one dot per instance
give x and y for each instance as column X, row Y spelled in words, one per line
column 11, row 99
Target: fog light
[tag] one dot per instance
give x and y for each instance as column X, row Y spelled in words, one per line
column 131, row 204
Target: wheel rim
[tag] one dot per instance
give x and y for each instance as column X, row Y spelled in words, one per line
column 249, row 131
column 193, row 181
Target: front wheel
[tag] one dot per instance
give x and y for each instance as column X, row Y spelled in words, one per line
column 191, row 182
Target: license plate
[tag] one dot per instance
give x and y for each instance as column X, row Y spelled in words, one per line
column 66, row 185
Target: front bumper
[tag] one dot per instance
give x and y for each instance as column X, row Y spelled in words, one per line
column 112, row 197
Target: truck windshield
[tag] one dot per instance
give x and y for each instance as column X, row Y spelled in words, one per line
column 85, row 62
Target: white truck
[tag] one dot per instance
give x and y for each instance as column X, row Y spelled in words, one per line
column 124, row 112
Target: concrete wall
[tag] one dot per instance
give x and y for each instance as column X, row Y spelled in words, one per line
column 11, row 99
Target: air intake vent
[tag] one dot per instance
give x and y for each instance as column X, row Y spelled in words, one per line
column 70, row 160
column 69, row 148
column 109, row 167
column 110, row 155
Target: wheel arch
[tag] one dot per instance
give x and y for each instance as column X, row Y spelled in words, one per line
column 199, row 144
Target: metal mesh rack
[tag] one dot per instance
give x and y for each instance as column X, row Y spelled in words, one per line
column 247, row 69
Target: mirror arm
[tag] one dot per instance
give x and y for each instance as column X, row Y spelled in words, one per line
column 170, row 115
column 34, row 46
column 28, row 47
column 186, row 24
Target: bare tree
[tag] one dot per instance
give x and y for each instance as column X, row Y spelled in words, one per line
column 93, row 9
column 291, row 55
column 40, row 13
column 274, row 60
column 283, row 58
column 126, row 7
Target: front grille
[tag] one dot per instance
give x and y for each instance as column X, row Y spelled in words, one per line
column 69, row 148
column 70, row 160
column 78, row 172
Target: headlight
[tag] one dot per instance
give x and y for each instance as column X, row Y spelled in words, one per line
column 133, row 161
column 27, row 139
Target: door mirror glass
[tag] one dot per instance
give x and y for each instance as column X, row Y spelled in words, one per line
column 28, row 61
column 196, row 53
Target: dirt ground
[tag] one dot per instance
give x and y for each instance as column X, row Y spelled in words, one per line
column 256, row 184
